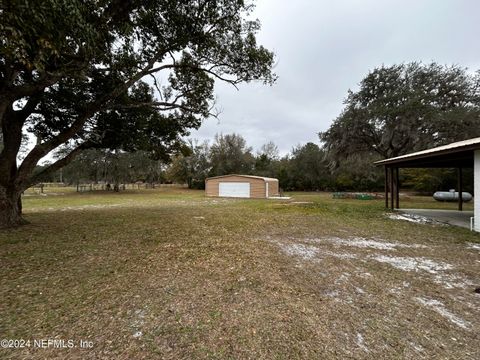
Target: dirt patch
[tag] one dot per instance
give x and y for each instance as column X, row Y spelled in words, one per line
column 303, row 251
column 361, row 342
column 85, row 207
column 439, row 307
column 440, row 272
column 423, row 276
column 75, row 208
column 44, row 194
column 473, row 246
column 365, row 243
column 413, row 264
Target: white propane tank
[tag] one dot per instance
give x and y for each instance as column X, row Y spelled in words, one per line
column 452, row 195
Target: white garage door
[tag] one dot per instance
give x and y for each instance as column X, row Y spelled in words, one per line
column 234, row 189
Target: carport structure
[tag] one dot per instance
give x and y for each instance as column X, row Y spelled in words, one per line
column 459, row 155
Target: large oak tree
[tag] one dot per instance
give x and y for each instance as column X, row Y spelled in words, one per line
column 403, row 108
column 128, row 75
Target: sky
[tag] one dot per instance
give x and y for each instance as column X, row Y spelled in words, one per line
column 325, row 48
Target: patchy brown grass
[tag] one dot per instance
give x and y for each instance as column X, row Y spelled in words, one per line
column 171, row 274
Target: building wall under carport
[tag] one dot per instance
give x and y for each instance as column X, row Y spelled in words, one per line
column 476, row 190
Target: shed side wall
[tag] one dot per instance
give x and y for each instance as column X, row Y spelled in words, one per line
column 211, row 188
column 272, row 188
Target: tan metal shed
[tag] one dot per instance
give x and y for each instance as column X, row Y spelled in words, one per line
column 241, row 186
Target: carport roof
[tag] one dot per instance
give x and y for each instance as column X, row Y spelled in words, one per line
column 246, row 176
column 457, row 154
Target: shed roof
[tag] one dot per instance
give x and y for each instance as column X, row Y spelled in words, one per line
column 457, row 154
column 246, row 176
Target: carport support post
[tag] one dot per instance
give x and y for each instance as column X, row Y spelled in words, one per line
column 391, row 188
column 397, row 189
column 460, row 189
column 386, row 187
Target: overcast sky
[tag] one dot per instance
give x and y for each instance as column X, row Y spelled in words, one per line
column 324, row 48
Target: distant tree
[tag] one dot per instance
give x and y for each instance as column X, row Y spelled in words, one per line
column 229, row 154
column 357, row 173
column 51, row 177
column 283, row 174
column 89, row 166
column 114, row 167
column 308, row 169
column 125, row 167
column 193, row 167
column 75, row 73
column 270, row 150
column 430, row 180
column 403, row 108
column 142, row 167
column 266, row 160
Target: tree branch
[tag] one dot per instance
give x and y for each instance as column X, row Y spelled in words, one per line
column 57, row 165
column 30, row 106
column 21, row 91
column 155, row 83
column 43, row 149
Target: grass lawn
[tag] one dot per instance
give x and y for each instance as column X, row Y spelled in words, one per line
column 168, row 273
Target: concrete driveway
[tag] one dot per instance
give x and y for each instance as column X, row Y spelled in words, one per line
column 451, row 217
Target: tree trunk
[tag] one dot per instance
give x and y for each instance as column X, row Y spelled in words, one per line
column 10, row 208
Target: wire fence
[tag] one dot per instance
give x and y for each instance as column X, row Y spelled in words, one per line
column 43, row 188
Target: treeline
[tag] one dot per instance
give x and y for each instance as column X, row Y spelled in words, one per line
column 396, row 110
column 306, row 168
column 109, row 167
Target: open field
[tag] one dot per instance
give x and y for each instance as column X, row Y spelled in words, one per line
column 168, row 273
